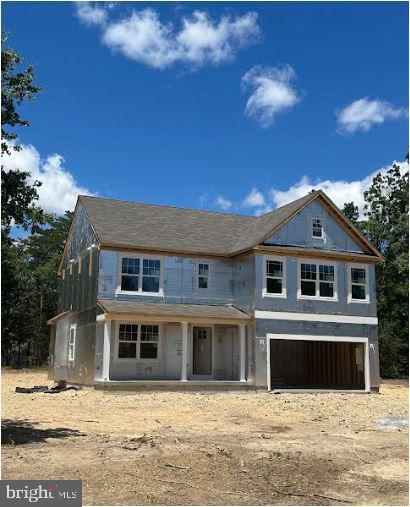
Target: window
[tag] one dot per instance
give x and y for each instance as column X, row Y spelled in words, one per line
column 80, row 263
column 150, row 275
column 274, row 285
column 130, row 271
column 71, row 342
column 149, row 342
column 138, row 341
column 203, row 275
column 317, row 281
column 127, row 341
column 317, row 228
column 140, row 275
column 358, row 281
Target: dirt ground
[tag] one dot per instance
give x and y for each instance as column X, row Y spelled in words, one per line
column 242, row 448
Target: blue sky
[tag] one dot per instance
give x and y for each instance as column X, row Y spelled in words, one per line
column 245, row 99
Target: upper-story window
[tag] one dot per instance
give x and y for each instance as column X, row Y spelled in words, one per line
column 203, row 275
column 358, row 284
column 317, row 281
column 140, row 275
column 317, row 228
column 274, row 277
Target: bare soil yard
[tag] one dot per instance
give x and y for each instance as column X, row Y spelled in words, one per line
column 209, row 448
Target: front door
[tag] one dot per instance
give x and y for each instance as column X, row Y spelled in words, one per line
column 202, row 351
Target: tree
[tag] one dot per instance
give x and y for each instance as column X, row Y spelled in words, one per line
column 386, row 226
column 43, row 251
column 18, row 196
column 351, row 211
column 30, row 292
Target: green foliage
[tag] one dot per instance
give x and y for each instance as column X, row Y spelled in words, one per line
column 386, row 227
column 18, row 196
column 351, row 211
column 30, row 291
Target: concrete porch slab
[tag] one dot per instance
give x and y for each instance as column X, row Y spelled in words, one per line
column 174, row 385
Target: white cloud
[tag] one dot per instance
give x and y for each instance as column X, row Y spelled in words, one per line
column 143, row 37
column 362, row 114
column 59, row 190
column 340, row 191
column 223, row 203
column 91, row 13
column 272, row 92
column 254, row 199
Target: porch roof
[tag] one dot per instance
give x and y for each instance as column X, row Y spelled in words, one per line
column 171, row 310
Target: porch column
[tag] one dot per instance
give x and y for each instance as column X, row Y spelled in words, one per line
column 242, row 353
column 184, row 351
column 106, row 350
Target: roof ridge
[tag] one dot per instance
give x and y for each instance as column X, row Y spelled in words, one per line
column 192, row 210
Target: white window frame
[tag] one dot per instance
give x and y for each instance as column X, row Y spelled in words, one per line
column 71, row 349
column 138, row 359
column 141, row 258
column 317, row 296
column 265, row 293
column 323, row 228
column 349, row 281
column 202, row 289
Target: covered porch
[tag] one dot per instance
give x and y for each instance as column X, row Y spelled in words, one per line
column 164, row 345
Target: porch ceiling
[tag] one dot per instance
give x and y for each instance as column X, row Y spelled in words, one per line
column 171, row 310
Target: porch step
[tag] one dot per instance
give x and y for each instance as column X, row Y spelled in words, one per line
column 161, row 385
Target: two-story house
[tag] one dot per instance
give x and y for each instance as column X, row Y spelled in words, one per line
column 163, row 296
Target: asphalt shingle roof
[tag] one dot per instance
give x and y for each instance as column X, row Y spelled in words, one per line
column 147, row 226
column 171, row 309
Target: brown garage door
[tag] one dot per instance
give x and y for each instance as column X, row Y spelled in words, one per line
column 303, row 364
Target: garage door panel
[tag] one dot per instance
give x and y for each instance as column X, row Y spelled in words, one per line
column 308, row 364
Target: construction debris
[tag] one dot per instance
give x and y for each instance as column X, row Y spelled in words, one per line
column 45, row 389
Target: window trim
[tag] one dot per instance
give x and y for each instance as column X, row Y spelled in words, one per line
column 140, row 292
column 202, row 289
column 266, row 294
column 71, row 357
column 318, row 263
column 323, row 228
column 349, row 282
column 138, row 359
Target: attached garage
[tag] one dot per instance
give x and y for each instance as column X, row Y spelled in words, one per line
column 304, row 362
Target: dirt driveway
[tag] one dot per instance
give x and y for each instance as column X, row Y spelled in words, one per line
column 209, row 448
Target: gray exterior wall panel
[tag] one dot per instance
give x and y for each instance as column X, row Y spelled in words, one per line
column 292, row 304
column 297, row 232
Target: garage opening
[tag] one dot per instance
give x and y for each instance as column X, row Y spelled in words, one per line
column 305, row 364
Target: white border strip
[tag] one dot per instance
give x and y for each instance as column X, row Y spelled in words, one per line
column 315, row 317
column 307, row 337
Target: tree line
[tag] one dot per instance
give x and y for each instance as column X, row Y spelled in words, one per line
column 30, row 262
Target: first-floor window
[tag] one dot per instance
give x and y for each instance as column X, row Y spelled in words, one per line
column 71, row 342
column 138, row 341
column 274, row 277
column 149, row 342
column 358, row 284
column 317, row 280
column 127, row 341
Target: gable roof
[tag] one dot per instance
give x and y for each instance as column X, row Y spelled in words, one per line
column 125, row 224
